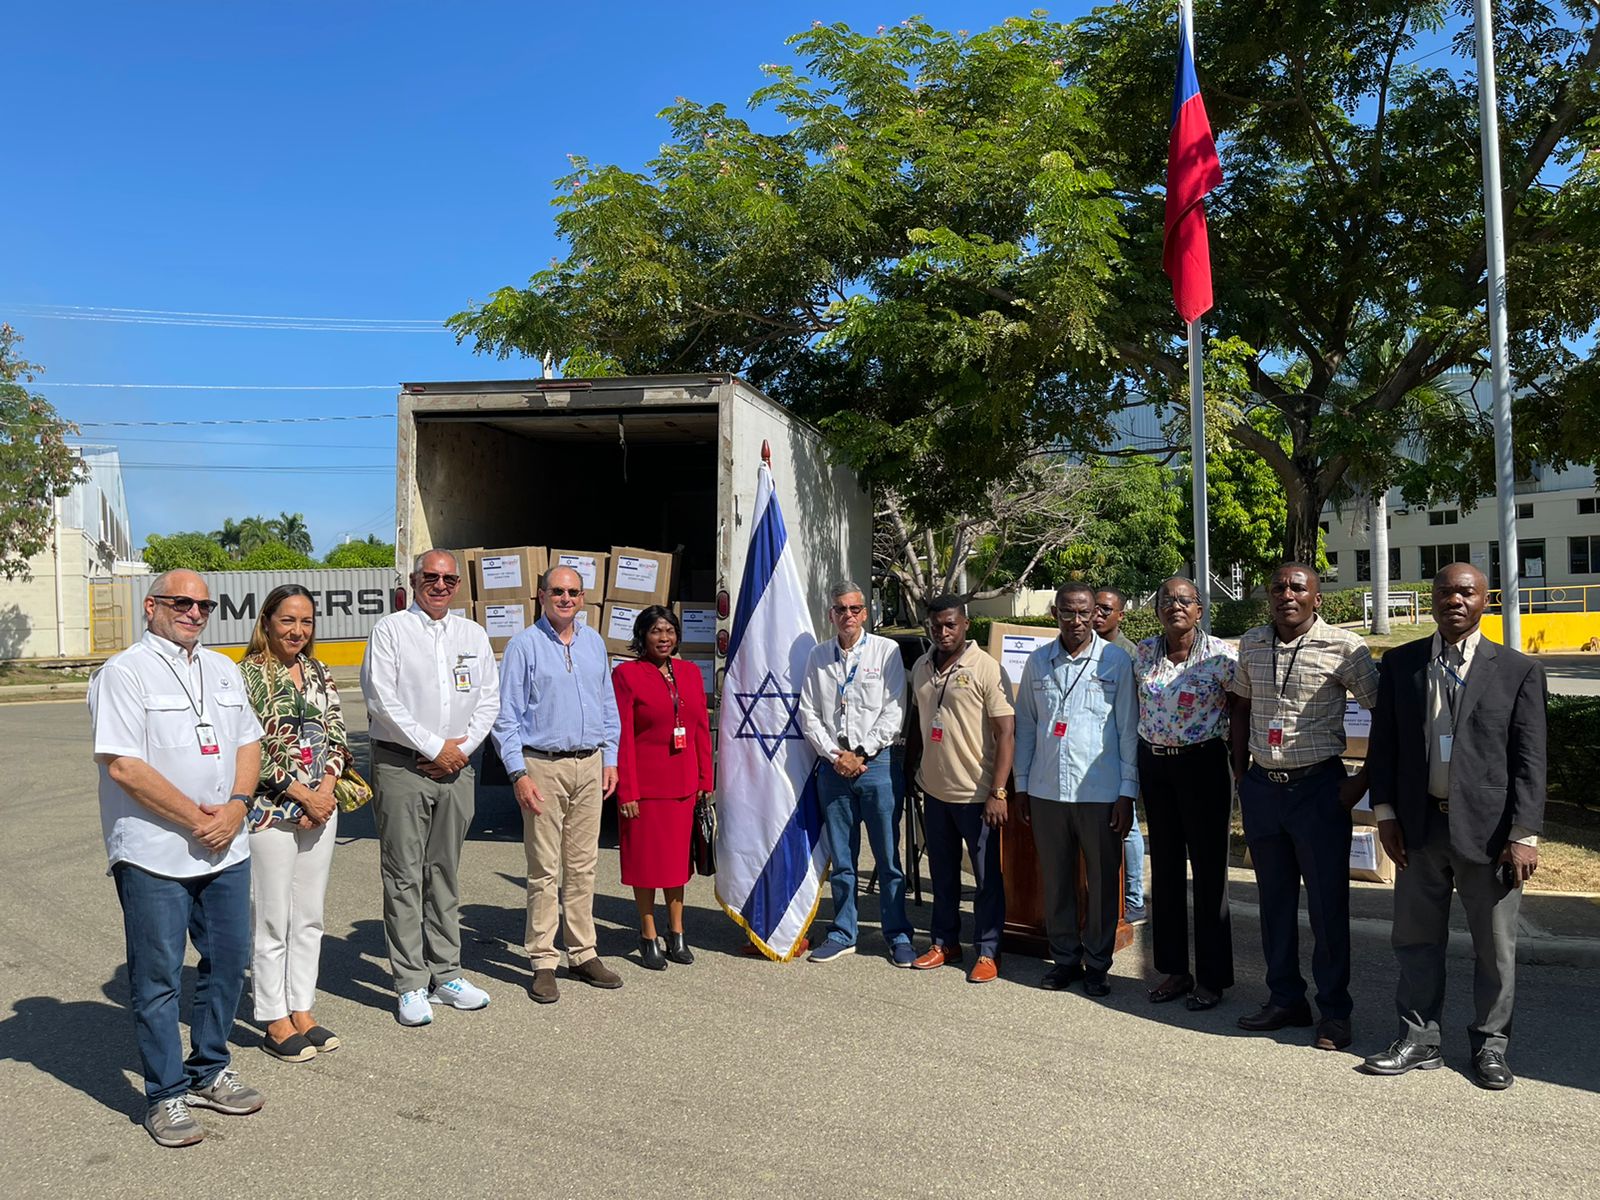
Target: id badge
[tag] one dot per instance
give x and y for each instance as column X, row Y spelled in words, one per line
column 1059, row 729
column 305, row 754
column 463, row 679
column 936, row 730
column 1447, row 742
column 1275, row 736
column 680, row 737
column 207, row 737
column 1185, row 699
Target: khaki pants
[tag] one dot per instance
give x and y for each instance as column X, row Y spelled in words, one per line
column 563, row 847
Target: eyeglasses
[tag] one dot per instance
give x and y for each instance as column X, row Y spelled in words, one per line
column 1070, row 616
column 854, row 610
column 183, row 604
column 1176, row 602
column 430, row 578
column 1104, row 610
column 575, row 593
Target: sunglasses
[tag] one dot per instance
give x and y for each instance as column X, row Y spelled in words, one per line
column 429, row 578
column 854, row 610
column 183, row 604
column 575, row 593
column 1176, row 602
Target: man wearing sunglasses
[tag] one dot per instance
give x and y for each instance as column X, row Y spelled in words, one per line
column 851, row 707
column 432, row 692
column 179, row 750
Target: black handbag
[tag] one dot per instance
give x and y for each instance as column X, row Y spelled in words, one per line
column 703, row 838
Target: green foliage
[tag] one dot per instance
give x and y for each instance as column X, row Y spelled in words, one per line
column 1137, row 624
column 1245, row 506
column 1574, row 741
column 290, row 529
column 188, row 551
column 36, row 465
column 1134, row 540
column 275, row 556
column 361, row 554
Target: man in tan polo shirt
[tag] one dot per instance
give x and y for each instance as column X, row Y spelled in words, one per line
column 959, row 752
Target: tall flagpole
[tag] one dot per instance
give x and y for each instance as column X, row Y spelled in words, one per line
column 1197, row 474
column 1499, row 366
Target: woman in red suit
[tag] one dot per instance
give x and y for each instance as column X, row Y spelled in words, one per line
column 663, row 765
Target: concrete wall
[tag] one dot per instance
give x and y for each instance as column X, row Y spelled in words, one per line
column 1033, row 603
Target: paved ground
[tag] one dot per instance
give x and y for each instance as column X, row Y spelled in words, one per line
column 737, row 1077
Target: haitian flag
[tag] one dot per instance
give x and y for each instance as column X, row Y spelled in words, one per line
column 1192, row 171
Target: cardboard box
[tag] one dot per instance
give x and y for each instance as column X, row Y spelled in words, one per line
column 1357, row 729
column 640, row 577
column 617, row 626
column 1367, row 858
column 589, row 615
column 708, row 673
column 590, row 566
column 510, row 575
column 699, row 624
column 1010, row 645
column 505, row 619
column 617, row 660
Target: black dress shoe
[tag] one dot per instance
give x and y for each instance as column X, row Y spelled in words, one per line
column 1059, row 978
column 1333, row 1034
column 1095, row 983
column 677, row 950
column 1271, row 1016
column 651, row 955
column 1489, row 1070
column 1403, row 1056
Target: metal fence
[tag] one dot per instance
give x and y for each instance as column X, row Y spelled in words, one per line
column 1569, row 598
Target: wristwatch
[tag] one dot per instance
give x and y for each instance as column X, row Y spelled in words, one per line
column 241, row 796
column 517, row 774
column 999, row 793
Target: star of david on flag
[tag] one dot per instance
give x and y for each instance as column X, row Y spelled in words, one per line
column 770, row 853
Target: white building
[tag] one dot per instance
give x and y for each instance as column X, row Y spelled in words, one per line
column 49, row 614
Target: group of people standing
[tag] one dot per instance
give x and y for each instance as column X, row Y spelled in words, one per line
column 217, row 798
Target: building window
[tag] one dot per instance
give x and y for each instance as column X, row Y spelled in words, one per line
column 1331, row 575
column 1583, row 555
column 1448, row 516
column 1323, row 525
column 1588, row 506
column 1437, row 558
column 1364, row 565
column 1524, row 512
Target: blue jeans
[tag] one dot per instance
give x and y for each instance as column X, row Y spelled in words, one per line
column 948, row 827
column 1133, row 863
column 158, row 915
column 847, row 804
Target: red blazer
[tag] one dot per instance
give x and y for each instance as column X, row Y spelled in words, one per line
column 648, row 768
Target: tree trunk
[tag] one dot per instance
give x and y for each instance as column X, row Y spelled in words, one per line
column 1378, row 551
column 1302, row 525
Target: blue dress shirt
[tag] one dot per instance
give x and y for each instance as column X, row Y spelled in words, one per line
column 1096, row 762
column 556, row 697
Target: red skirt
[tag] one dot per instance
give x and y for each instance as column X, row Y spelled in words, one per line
column 655, row 844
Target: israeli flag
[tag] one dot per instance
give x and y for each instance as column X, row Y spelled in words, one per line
column 770, row 853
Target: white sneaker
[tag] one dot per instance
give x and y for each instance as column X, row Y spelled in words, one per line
column 458, row 993
column 414, row 1008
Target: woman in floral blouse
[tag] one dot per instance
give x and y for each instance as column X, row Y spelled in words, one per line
column 1183, row 675
column 294, row 818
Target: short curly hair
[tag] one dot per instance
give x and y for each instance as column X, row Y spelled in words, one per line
column 646, row 621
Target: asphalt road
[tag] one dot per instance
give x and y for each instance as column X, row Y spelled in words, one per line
column 736, row 1077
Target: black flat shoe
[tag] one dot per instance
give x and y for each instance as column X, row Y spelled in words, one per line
column 293, row 1049
column 1403, row 1056
column 323, row 1039
column 651, row 955
column 1201, row 1000
column 677, row 950
column 1489, row 1070
column 1059, row 978
column 1171, row 989
column 1095, row 983
column 1270, row 1017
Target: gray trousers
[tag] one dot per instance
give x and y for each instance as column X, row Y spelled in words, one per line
column 421, row 825
column 1422, row 935
column 1060, row 832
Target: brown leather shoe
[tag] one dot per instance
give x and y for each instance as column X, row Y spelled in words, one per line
column 543, row 989
column 985, row 970
column 938, row 956
column 596, row 974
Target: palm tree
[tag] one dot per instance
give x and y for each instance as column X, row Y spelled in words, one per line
column 290, row 529
column 227, row 537
column 253, row 532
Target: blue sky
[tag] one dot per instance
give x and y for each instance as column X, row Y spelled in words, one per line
column 322, row 160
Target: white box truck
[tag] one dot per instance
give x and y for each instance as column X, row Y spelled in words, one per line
column 666, row 462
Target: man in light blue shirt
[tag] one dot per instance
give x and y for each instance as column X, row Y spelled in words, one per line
column 557, row 734
column 1077, row 774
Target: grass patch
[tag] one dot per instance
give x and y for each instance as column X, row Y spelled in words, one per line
column 11, row 673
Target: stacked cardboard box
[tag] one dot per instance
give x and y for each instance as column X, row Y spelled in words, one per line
column 640, row 577
column 617, row 627
column 508, row 575
column 1367, row 858
column 504, row 619
column 699, row 621
column 591, row 568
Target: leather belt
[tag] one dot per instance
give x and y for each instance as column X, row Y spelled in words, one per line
column 584, row 753
column 1442, row 805
column 396, row 748
column 1291, row 774
column 1168, row 751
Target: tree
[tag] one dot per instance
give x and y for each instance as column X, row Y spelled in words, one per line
column 290, row 529
column 1245, row 505
column 275, row 556
column 36, row 464
column 371, row 553
column 918, row 260
column 1134, row 540
column 254, row 532
column 188, row 551
column 1347, row 241
column 227, row 537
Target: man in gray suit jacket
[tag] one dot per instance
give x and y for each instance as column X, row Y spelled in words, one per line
column 1457, row 769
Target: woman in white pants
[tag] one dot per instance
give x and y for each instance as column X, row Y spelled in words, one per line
column 294, row 819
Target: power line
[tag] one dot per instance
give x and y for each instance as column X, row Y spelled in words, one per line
column 205, row 324
column 331, row 469
column 230, row 387
column 124, row 437
column 178, row 312
column 221, row 421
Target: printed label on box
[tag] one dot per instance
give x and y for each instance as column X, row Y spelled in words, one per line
column 1014, row 651
column 504, row 620
column 1364, row 850
column 620, row 628
column 699, row 625
column 581, row 618
column 501, row 570
column 708, row 669
column 583, row 564
column 637, row 574
column 1357, row 720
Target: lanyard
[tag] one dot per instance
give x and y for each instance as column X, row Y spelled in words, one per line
column 949, row 673
column 1283, row 688
column 838, row 656
column 1083, row 667
column 200, row 666
column 1450, row 684
column 672, row 687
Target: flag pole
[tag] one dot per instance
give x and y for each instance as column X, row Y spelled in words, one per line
column 1499, row 366
column 1197, row 475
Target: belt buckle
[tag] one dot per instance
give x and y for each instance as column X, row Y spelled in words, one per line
column 1444, row 805
column 1278, row 776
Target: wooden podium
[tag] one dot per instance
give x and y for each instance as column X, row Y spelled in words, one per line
column 1019, row 865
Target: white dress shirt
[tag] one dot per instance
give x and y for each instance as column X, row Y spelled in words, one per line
column 858, row 695
column 147, row 703
column 427, row 681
